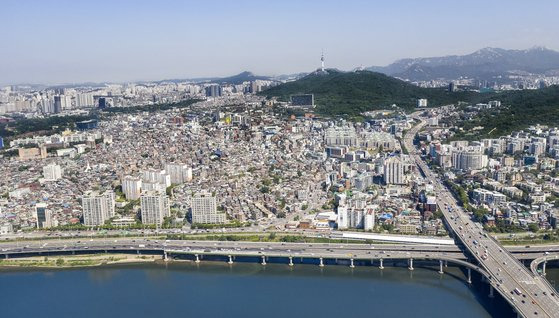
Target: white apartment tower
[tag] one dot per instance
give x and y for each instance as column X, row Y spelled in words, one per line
column 204, row 210
column 131, row 187
column 52, row 172
column 154, row 207
column 157, row 176
column 97, row 208
column 394, row 171
column 343, row 218
column 179, row 173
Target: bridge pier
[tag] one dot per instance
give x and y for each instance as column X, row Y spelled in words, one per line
column 491, row 291
column 321, row 263
column 445, row 263
column 165, row 256
column 469, row 276
column 411, row 264
column 230, row 260
column 381, row 267
column 441, row 267
column 351, row 263
column 6, row 256
column 290, row 261
column 263, row 260
column 543, row 267
column 197, row 258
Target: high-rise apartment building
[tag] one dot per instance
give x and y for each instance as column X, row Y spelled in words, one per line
column 52, row 172
column 470, row 158
column 394, row 171
column 154, row 207
column 204, row 210
column 156, row 176
column 179, row 173
column 84, row 100
column 131, row 187
column 98, row 208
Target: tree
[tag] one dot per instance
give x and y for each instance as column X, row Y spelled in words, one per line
column 533, row 227
column 480, row 213
column 388, row 227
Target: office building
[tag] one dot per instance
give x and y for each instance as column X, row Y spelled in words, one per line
column 98, row 208
column 43, row 216
column 422, row 102
column 154, row 207
column 304, row 100
column 52, row 172
column 204, row 210
column 57, row 104
column 32, row 153
column 213, row 91
column 102, row 102
column 86, row 124
column 451, row 87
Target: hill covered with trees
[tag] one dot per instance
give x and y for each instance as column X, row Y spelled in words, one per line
column 350, row 93
column 520, row 109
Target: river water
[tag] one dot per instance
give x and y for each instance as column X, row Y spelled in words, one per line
column 215, row 290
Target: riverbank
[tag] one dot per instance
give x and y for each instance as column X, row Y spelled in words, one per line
column 77, row 261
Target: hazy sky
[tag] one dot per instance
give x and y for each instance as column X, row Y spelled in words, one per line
column 50, row 41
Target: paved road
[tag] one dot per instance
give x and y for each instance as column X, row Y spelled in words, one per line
column 326, row 251
column 530, row 295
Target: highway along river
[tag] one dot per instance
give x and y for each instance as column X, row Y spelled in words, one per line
column 215, row 290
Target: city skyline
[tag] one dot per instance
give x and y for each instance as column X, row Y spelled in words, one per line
column 65, row 42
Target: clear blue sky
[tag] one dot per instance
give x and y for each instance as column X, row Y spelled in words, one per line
column 51, row 41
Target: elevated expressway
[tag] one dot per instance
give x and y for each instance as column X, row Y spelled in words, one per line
column 320, row 253
column 528, row 293
column 371, row 254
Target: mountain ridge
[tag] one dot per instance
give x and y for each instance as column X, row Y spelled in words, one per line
column 486, row 63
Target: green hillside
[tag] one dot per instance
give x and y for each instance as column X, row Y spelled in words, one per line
column 522, row 109
column 350, row 93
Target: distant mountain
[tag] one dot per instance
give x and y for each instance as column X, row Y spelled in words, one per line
column 350, row 93
column 240, row 78
column 290, row 77
column 487, row 64
column 235, row 79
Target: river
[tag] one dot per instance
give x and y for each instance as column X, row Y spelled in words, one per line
column 216, row 290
